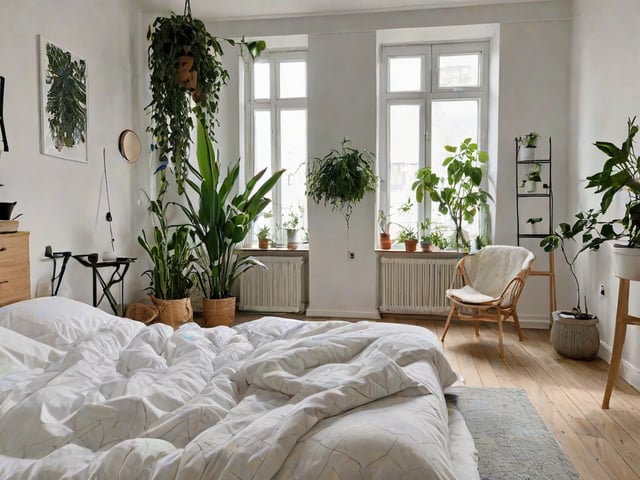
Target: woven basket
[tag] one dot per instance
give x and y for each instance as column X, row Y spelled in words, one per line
column 218, row 311
column 173, row 312
column 142, row 312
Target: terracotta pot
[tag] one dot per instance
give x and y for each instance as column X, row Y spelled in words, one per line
column 218, row 311
column 410, row 245
column 185, row 74
column 263, row 243
column 385, row 241
column 173, row 312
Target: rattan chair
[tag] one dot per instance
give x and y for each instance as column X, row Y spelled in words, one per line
column 487, row 286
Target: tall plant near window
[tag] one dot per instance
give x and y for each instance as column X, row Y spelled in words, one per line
column 185, row 61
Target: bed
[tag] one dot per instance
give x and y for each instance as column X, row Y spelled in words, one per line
column 85, row 394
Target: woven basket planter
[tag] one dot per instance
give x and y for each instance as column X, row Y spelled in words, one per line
column 142, row 312
column 218, row 311
column 173, row 312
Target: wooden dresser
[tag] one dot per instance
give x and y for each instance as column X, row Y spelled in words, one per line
column 15, row 283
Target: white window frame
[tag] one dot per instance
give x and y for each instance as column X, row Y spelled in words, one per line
column 430, row 92
column 274, row 105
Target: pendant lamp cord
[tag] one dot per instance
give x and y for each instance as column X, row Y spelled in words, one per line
column 109, row 218
column 187, row 9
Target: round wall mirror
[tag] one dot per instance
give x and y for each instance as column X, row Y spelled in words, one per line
column 129, row 146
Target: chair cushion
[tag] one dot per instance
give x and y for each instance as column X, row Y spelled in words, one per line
column 469, row 294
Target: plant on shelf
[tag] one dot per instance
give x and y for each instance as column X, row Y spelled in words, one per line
column 184, row 58
column 439, row 240
column 586, row 229
column 263, row 237
column 533, row 221
column 426, row 243
column 66, row 99
column 170, row 249
column 342, row 178
column 383, row 224
column 293, row 225
column 407, row 235
column 462, row 195
column 527, row 146
column 221, row 219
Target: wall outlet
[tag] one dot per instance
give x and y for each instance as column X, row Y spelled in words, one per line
column 602, row 291
column 351, row 255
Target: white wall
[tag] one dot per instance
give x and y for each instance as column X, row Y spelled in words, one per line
column 604, row 94
column 63, row 202
column 533, row 75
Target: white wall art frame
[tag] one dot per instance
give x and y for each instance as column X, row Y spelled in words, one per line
column 63, row 102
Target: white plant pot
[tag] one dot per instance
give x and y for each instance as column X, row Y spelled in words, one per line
column 531, row 186
column 527, row 153
column 626, row 262
column 293, row 239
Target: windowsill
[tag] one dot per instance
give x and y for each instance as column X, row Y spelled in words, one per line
column 444, row 254
column 304, row 248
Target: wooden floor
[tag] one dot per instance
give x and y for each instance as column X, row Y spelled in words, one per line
column 602, row 444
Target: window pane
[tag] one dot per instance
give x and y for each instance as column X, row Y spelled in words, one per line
column 261, row 81
column 404, row 159
column 405, row 74
column 459, row 70
column 452, row 121
column 293, row 158
column 262, row 140
column 293, row 79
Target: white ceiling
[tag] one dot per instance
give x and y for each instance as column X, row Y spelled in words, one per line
column 232, row 9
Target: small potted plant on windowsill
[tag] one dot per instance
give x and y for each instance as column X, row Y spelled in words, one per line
column 407, row 235
column 527, row 146
column 383, row 223
column 292, row 225
column 263, row 237
column 426, row 243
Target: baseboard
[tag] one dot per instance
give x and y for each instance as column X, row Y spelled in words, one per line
column 535, row 322
column 628, row 371
column 368, row 315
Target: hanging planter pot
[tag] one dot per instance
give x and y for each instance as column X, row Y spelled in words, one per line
column 186, row 75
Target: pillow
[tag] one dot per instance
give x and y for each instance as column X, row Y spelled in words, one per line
column 58, row 321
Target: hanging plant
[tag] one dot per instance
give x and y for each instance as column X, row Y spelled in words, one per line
column 342, row 178
column 185, row 61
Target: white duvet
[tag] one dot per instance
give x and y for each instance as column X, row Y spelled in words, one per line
column 84, row 394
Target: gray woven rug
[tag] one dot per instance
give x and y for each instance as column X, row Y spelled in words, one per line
column 512, row 440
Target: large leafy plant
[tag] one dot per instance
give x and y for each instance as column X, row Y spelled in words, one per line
column 342, row 178
column 66, row 99
column 170, row 249
column 460, row 194
column 171, row 40
column 220, row 219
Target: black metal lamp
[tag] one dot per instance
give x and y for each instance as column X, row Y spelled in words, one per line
column 3, row 132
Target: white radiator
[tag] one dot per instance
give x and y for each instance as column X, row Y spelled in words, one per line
column 277, row 288
column 413, row 285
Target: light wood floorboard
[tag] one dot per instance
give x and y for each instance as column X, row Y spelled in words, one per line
column 567, row 394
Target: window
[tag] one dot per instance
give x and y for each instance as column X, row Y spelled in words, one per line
column 431, row 96
column 276, row 126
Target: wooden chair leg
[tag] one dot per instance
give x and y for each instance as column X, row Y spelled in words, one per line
column 477, row 328
column 448, row 323
column 516, row 322
column 500, row 337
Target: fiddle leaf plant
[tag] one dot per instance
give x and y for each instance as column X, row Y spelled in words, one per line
column 342, row 178
column 459, row 195
column 180, row 42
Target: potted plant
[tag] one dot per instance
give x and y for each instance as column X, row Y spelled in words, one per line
column 263, row 237
column 462, row 195
column 621, row 173
column 533, row 221
column 407, row 235
column 170, row 249
column 221, row 219
column 527, row 146
column 426, row 243
column 383, row 223
column 574, row 333
column 293, row 225
column 342, row 178
column 184, row 58
column 439, row 240
column 533, row 177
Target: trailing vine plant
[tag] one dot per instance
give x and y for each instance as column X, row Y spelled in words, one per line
column 66, row 99
column 185, row 62
column 341, row 178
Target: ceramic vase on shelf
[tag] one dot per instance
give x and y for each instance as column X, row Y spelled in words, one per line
column 527, row 153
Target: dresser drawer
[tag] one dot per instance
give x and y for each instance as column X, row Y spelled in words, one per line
column 14, row 282
column 14, row 247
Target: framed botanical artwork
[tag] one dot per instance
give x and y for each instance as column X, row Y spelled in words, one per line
column 63, row 103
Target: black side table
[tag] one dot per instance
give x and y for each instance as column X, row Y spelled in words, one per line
column 120, row 266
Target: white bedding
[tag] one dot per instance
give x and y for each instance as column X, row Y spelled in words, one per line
column 84, row 394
